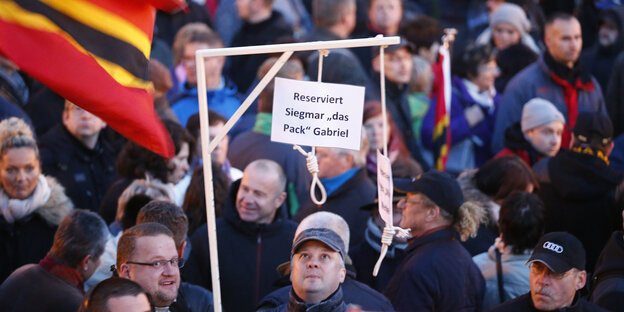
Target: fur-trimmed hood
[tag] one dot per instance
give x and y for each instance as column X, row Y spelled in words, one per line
column 472, row 193
column 58, row 206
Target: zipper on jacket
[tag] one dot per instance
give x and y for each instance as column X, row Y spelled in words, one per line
column 258, row 268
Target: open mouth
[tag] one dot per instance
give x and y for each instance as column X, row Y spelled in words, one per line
column 168, row 283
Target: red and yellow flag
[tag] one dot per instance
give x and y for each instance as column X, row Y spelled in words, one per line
column 94, row 53
column 442, row 92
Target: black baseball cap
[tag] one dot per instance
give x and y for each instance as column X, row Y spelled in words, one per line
column 593, row 127
column 439, row 186
column 323, row 235
column 560, row 252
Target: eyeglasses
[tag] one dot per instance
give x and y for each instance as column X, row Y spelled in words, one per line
column 175, row 262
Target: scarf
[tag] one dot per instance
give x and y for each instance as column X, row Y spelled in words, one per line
column 263, row 123
column 16, row 209
column 63, row 272
column 484, row 99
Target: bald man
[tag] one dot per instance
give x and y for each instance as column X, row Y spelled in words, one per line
column 254, row 237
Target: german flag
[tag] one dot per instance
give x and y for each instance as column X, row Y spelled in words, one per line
column 442, row 92
column 94, row 53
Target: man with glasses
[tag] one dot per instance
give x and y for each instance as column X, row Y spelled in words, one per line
column 557, row 272
column 437, row 273
column 170, row 215
column 147, row 254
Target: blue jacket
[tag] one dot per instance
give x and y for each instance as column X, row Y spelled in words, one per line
column 437, row 275
column 536, row 81
column 224, row 101
column 474, row 141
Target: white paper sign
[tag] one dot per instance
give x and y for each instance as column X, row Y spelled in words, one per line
column 317, row 114
column 385, row 187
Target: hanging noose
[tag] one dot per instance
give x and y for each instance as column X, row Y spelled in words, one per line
column 311, row 160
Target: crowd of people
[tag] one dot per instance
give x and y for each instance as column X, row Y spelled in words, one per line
column 527, row 214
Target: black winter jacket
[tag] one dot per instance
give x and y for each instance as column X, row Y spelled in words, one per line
column 579, row 195
column 608, row 279
column 353, row 292
column 525, row 304
column 29, row 239
column 332, row 304
column 85, row 174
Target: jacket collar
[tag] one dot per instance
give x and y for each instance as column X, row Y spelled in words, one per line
column 444, row 234
column 331, row 304
column 63, row 272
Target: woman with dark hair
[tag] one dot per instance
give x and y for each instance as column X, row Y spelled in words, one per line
column 31, row 205
column 490, row 185
column 521, row 225
column 195, row 199
column 137, row 162
column 473, row 107
column 402, row 163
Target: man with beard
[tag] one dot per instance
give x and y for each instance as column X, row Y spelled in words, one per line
column 147, row 254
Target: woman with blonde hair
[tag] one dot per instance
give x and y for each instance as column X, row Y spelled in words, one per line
column 31, row 204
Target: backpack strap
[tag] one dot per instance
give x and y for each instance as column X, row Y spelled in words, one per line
column 499, row 275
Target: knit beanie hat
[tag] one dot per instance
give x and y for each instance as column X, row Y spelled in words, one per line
column 538, row 112
column 512, row 14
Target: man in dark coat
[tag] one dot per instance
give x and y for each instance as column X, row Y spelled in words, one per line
column 608, row 279
column 557, row 273
column 437, row 273
column 78, row 157
column 57, row 282
column 343, row 174
column 320, row 253
column 580, row 191
column 253, row 236
column 353, row 291
column 261, row 25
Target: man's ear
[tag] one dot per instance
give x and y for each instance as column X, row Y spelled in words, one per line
column 280, row 199
column 580, row 280
column 84, row 263
column 181, row 250
column 343, row 274
column 124, row 271
column 432, row 213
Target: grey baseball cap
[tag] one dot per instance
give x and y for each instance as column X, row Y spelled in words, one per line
column 323, row 235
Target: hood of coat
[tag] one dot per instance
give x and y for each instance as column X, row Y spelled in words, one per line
column 58, row 206
column 469, row 188
column 577, row 176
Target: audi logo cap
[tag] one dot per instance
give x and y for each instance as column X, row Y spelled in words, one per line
column 439, row 186
column 560, row 252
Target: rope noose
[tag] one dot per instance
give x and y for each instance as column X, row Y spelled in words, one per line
column 312, row 162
